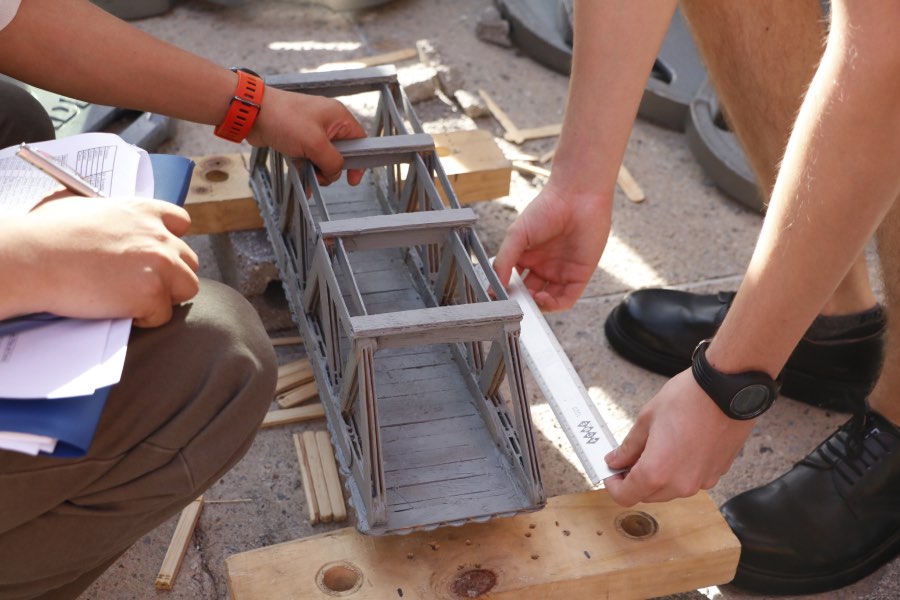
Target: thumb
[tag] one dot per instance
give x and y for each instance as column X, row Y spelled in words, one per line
column 630, row 450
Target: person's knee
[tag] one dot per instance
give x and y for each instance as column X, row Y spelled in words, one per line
column 22, row 118
column 209, row 372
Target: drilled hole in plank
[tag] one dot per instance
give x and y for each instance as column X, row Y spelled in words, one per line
column 339, row 579
column 637, row 525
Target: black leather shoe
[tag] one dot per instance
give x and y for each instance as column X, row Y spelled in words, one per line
column 831, row 520
column 658, row 329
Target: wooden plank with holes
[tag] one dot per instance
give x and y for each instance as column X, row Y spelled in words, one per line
column 219, row 197
column 581, row 545
column 178, row 546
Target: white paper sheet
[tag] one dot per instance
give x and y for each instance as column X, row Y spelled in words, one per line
column 71, row 357
column 110, row 164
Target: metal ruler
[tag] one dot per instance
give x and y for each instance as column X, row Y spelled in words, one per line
column 563, row 389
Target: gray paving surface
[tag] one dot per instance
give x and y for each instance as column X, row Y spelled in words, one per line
column 686, row 235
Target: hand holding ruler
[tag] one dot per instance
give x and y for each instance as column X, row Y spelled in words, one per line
column 563, row 389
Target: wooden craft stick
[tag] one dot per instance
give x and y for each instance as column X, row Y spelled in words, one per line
column 524, row 167
column 298, row 395
column 293, row 415
column 547, row 156
column 629, row 185
column 373, row 61
column 332, row 478
column 179, row 545
column 301, row 365
column 306, row 480
column 536, row 133
column 512, row 132
column 292, row 340
column 317, row 473
column 292, row 380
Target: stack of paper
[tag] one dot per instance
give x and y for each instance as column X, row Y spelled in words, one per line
column 55, row 373
column 60, row 360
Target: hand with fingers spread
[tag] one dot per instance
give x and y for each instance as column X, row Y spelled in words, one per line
column 301, row 125
column 680, row 444
column 100, row 258
column 559, row 240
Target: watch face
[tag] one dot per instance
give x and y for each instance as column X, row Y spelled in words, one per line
column 750, row 401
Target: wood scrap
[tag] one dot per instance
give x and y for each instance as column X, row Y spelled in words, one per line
column 332, row 478
column 512, row 133
column 312, row 503
column 298, row 395
column 530, row 169
column 626, row 182
column 629, row 185
column 178, row 546
column 509, row 127
column 372, row 61
column 293, row 340
column 537, row 133
column 298, row 414
column 548, row 155
column 317, row 474
column 299, row 375
column 296, row 366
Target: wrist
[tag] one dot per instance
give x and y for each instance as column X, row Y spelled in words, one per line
column 244, row 106
column 741, row 395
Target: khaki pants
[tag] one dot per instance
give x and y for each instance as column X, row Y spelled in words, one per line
column 192, row 395
column 191, row 399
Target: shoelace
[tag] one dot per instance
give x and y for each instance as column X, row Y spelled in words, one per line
column 847, row 450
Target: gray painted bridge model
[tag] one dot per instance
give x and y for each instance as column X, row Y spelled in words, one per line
column 417, row 364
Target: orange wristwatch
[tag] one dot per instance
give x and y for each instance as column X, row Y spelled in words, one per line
column 244, row 106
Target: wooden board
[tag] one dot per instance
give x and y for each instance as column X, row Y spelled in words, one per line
column 219, row 199
column 581, row 546
column 475, row 165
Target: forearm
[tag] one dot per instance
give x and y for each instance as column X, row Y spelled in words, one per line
column 74, row 48
column 17, row 269
column 615, row 44
column 838, row 180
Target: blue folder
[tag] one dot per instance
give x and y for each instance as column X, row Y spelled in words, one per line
column 73, row 421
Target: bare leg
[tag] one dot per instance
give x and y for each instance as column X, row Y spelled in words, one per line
column 761, row 57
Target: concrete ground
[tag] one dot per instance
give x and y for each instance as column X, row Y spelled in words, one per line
column 686, row 235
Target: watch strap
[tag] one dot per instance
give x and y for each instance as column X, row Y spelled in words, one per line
column 244, row 107
column 741, row 396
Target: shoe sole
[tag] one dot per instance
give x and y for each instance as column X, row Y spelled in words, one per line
column 823, row 393
column 777, row 583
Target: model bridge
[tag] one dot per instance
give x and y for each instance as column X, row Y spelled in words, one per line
column 413, row 341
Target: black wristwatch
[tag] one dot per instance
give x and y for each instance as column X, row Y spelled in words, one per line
column 741, row 396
